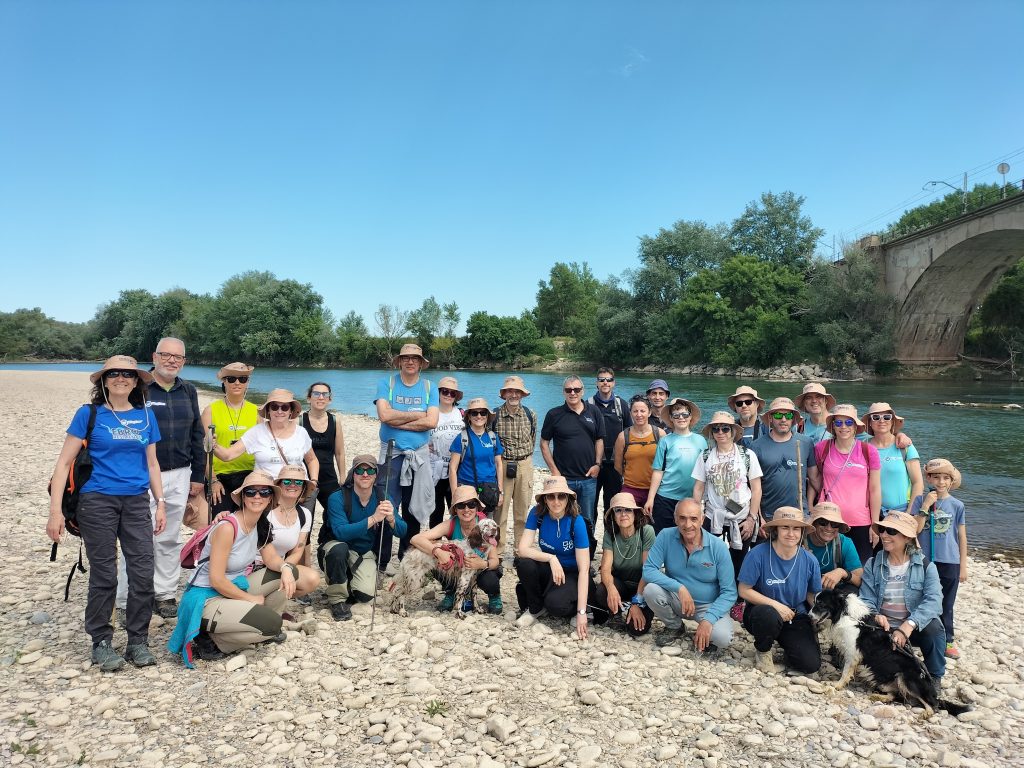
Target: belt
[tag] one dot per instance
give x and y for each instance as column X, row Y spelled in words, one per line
column 522, row 458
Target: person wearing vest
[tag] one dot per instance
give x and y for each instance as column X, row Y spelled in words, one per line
column 231, row 417
column 516, row 427
column 616, row 418
column 745, row 403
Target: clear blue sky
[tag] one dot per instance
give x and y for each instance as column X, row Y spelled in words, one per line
column 388, row 151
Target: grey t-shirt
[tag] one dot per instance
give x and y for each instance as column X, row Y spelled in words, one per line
column 243, row 552
column 778, row 465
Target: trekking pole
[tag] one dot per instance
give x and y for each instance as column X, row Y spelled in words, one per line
column 799, row 479
column 381, row 495
column 210, row 477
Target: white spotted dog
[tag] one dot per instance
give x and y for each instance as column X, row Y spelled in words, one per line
column 417, row 566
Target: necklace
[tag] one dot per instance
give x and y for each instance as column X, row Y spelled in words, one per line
column 628, row 555
column 830, row 551
column 241, row 524
column 775, row 577
column 234, row 414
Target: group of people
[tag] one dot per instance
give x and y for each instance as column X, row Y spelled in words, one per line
column 746, row 519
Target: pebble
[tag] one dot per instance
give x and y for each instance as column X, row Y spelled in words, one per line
column 40, row 617
column 501, row 727
column 868, row 722
column 237, row 661
column 629, row 736
column 333, row 683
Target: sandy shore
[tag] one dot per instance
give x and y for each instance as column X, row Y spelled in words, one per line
column 430, row 690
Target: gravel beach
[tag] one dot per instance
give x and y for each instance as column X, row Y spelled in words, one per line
column 431, row 690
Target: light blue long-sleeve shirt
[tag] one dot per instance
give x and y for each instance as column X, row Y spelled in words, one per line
column 707, row 574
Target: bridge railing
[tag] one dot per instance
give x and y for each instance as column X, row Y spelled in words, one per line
column 953, row 208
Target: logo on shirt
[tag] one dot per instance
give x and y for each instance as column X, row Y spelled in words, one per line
column 151, row 403
column 125, row 433
column 408, row 400
column 790, row 463
column 774, row 582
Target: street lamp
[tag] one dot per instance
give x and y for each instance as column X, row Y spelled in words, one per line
column 963, row 191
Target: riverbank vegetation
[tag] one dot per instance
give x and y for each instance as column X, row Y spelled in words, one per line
column 753, row 292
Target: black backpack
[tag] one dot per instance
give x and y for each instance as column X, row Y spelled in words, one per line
column 78, row 475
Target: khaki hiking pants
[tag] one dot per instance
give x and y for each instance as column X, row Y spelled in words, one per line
column 518, row 494
column 348, row 573
column 235, row 624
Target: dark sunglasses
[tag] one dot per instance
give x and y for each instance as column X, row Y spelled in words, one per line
column 890, row 531
column 472, row 504
column 572, row 390
column 558, row 496
column 828, row 524
column 881, row 417
column 681, row 415
column 236, row 379
column 843, row 422
column 364, row 471
column 473, row 413
column 288, row 481
column 605, row 379
column 252, row 493
column 279, row 406
column 121, row 374
column 780, row 415
column 740, row 403
column 447, row 392
column 718, row 429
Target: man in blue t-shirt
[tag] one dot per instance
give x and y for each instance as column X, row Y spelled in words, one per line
column 787, row 460
column 407, row 413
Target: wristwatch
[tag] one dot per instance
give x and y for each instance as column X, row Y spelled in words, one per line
column 582, row 613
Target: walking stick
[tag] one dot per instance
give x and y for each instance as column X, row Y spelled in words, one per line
column 381, row 495
column 208, row 445
column 799, row 479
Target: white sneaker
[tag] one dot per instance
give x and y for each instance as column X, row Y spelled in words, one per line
column 764, row 662
column 526, row 620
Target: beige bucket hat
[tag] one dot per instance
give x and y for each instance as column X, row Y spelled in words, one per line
column 827, row 510
column 256, row 478
column 281, row 396
column 554, row 484
column 235, row 369
column 844, row 410
column 691, row 406
column 782, row 404
column 815, row 388
column 513, row 382
column 449, row 382
column 465, row 493
column 479, row 404
column 748, row 391
column 722, row 417
column 901, row 521
column 121, row 363
column 411, row 349
column 788, row 516
column 943, row 467
column 882, row 408
column 297, row 472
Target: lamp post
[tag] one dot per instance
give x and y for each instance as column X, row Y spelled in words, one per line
column 963, row 191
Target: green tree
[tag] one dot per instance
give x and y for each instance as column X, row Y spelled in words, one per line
column 133, row 323
column 1002, row 317
column 567, row 301
column 424, row 324
column 775, row 230
column 391, row 324
column 613, row 338
column 948, row 207
column 446, row 345
column 31, row 333
column 506, row 340
column 673, row 256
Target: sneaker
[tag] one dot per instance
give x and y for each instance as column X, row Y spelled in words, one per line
column 105, row 657
column 447, row 602
column 206, row 649
column 763, row 661
column 166, row 609
column 341, row 611
column 139, row 655
column 121, row 614
column 669, row 636
column 710, row 653
column 494, row 605
column 527, row 618
column 304, row 600
column 952, row 652
column 736, row 612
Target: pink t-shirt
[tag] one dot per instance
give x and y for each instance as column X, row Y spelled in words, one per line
column 844, row 478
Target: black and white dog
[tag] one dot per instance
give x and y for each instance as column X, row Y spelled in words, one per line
column 867, row 649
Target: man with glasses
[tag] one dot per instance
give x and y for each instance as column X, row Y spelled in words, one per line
column 174, row 403
column 790, row 472
column 516, row 427
column 745, row 403
column 616, row 418
column 572, row 444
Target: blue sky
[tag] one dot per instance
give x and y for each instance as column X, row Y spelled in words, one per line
column 384, row 152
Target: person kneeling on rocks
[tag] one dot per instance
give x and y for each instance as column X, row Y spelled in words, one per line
column 354, row 522
column 222, row 611
column 627, row 542
column 689, row 575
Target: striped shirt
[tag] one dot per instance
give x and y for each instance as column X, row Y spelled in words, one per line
column 894, row 600
column 517, row 432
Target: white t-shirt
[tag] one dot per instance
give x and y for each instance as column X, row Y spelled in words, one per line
column 287, row 536
column 448, row 427
column 260, row 443
column 726, row 477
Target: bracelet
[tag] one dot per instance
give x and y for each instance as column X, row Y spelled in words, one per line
column 290, row 568
column 638, row 600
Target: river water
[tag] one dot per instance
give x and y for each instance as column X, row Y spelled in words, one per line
column 985, row 445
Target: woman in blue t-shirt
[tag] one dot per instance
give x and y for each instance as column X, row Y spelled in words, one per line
column 478, row 462
column 114, row 505
column 779, row 580
column 554, row 558
column 901, row 468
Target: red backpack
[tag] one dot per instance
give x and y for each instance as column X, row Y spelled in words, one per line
column 191, row 552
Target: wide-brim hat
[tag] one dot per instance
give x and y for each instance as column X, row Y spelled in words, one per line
column 554, row 484
column 413, row 350
column 297, row 472
column 782, row 404
column 658, row 384
column 897, row 424
column 281, row 396
column 691, row 406
column 256, row 478
column 514, row 382
column 827, row 510
column 462, row 494
column 943, row 467
column 361, row 460
column 235, row 369
column 479, row 404
column 748, row 391
column 723, row 417
column 624, row 499
column 449, row 382
column 788, row 516
column 814, row 388
column 121, row 363
column 845, row 410
column 903, row 522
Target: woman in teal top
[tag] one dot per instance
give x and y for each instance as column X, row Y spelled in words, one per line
column 671, row 478
column 901, row 468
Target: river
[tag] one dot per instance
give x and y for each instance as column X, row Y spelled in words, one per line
column 986, row 445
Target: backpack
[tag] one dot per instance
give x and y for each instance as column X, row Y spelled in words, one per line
column 78, row 475
column 191, row 552
column 743, row 452
column 326, row 534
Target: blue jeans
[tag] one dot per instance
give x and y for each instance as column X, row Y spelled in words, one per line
column 586, row 495
column 931, row 639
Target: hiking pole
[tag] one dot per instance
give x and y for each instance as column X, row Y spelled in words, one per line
column 381, row 495
column 210, row 477
column 799, row 479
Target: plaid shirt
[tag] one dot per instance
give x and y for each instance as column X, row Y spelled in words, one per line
column 181, row 429
column 517, row 436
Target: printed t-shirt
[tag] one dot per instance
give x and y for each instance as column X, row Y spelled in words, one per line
column 817, row 432
column 484, row 449
column 675, row 458
column 561, row 537
column 117, row 446
column 895, row 478
column 844, row 478
column 629, row 568
column 787, row 581
column 261, row 443
column 415, row 398
column 287, row 537
column 448, row 426
column 826, row 555
column 727, row 477
column 779, row 465
column 949, row 514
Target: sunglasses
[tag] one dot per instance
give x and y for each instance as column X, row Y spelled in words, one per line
column 558, row 496
column 681, row 415
column 236, row 379
column 121, row 374
column 881, row 417
column 888, row 531
column 604, row 379
column 573, row 390
column 319, row 395
column 289, row 482
column 473, row 504
column 447, row 392
column 279, row 406
column 169, row 357
column 780, row 415
column 622, row 511
column 364, row 471
column 474, row 414
column 252, row 493
column 719, row 429
column 828, row 524
column 843, row 422
column 742, row 403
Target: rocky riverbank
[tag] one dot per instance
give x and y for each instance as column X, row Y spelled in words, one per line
column 430, row 690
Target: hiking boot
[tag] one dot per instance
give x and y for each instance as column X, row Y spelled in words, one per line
column 494, row 605
column 669, row 637
column 763, row 661
column 166, row 609
column 105, row 657
column 206, row 649
column 304, row 599
column 139, row 655
column 952, row 652
column 341, row 611
column 447, row 602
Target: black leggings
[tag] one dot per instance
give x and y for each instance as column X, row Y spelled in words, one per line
column 798, row 639
column 536, row 588
column 626, row 591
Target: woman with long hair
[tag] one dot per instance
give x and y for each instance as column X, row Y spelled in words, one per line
column 230, row 417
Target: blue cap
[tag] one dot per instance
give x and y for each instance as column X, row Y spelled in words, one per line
column 659, row 384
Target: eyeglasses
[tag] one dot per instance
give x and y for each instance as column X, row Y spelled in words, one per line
column 121, row 374
column 319, row 395
column 843, row 422
column 828, row 524
column 557, row 496
column 279, row 406
column 170, row 357
column 236, row 379
column 743, row 403
column 719, row 429
column 471, row 504
column 252, row 493
column 681, row 415
column 407, row 358
column 447, row 392
column 780, row 415
column 888, row 531
column 605, row 379
column 289, row 482
column 364, row 471
column 474, row 413
column 622, row 511
column 881, row 417
column 572, row 390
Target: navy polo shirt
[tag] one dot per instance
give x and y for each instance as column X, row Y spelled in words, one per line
column 574, row 435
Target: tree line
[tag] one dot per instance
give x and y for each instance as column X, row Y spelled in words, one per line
column 752, row 292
